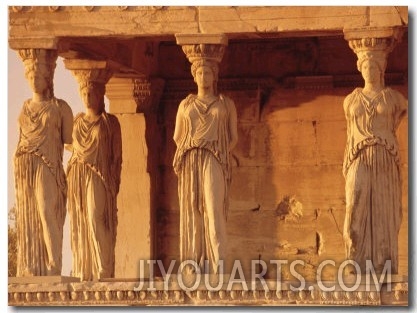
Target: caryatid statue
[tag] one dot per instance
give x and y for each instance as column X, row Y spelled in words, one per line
column 372, row 160
column 93, row 180
column 205, row 133
column 45, row 125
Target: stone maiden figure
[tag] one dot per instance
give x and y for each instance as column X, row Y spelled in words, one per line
column 93, row 181
column 205, row 133
column 45, row 125
column 372, row 167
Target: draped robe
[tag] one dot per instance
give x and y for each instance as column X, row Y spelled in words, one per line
column 202, row 164
column 40, row 186
column 373, row 183
column 93, row 183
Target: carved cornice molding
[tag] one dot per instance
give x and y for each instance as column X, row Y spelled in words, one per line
column 135, row 94
column 178, row 89
column 357, row 80
column 338, row 81
column 52, row 9
column 147, row 93
column 34, row 43
column 124, row 293
column 187, row 85
column 310, row 82
column 96, row 297
column 181, row 87
column 141, row 89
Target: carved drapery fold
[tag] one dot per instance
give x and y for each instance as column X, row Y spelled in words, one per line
column 45, row 124
column 371, row 165
column 93, row 176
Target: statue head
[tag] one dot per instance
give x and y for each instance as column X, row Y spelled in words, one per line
column 212, row 65
column 205, row 54
column 39, row 69
column 374, row 49
column 92, row 87
column 377, row 58
column 92, row 94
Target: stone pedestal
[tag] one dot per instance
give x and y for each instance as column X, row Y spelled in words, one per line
column 157, row 292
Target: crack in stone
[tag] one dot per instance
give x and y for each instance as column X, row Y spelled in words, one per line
column 245, row 22
column 403, row 22
column 197, row 19
column 335, row 221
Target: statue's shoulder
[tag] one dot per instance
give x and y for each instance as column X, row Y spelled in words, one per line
column 225, row 98
column 353, row 94
column 110, row 116
column 63, row 106
column 191, row 97
column 78, row 116
column 398, row 99
column 62, row 103
column 394, row 93
column 187, row 100
column 230, row 104
column 113, row 120
column 351, row 98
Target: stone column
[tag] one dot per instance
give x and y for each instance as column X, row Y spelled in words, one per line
column 45, row 125
column 93, row 175
column 372, row 163
column 134, row 100
column 203, row 191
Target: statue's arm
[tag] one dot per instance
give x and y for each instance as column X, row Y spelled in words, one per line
column 179, row 123
column 232, row 125
column 402, row 108
column 117, row 151
column 67, row 123
column 348, row 126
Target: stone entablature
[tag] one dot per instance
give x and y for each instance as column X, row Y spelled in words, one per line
column 93, row 21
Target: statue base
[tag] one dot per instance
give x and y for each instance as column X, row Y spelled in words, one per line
column 184, row 291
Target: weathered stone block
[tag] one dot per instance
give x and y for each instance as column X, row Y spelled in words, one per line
column 380, row 16
column 243, row 188
column 252, row 19
column 314, row 186
column 103, row 21
column 331, row 141
column 253, row 146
